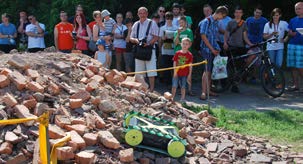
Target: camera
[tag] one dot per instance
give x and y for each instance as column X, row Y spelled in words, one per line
column 142, row 42
column 74, row 34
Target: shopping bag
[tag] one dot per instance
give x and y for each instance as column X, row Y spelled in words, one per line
column 219, row 69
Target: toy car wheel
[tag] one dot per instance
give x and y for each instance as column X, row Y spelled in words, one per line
column 133, row 137
column 175, row 149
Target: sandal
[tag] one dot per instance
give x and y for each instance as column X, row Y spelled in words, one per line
column 203, row 96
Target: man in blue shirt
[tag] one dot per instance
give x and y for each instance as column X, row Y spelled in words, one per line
column 209, row 46
column 295, row 46
column 8, row 34
column 256, row 25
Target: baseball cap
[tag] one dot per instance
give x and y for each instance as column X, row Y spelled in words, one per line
column 100, row 42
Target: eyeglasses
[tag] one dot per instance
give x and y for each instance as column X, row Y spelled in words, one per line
column 161, row 11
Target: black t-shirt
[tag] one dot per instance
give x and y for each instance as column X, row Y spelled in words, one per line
column 129, row 45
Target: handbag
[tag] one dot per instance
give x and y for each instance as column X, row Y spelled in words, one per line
column 92, row 45
column 140, row 52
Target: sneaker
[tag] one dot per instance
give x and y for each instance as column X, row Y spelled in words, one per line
column 235, row 89
column 292, row 88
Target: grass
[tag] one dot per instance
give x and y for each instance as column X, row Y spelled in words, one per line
column 283, row 127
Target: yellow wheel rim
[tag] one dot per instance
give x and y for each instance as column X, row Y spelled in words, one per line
column 175, row 149
column 133, row 137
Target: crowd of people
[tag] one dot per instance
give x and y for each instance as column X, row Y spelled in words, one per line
column 165, row 40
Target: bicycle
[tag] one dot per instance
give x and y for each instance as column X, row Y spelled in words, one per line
column 272, row 77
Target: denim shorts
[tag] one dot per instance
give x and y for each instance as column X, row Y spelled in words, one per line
column 181, row 79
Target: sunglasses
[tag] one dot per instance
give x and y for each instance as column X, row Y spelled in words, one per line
column 30, row 18
column 162, row 11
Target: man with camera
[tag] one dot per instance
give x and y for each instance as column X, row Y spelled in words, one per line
column 145, row 33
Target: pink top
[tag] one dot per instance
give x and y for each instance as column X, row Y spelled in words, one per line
column 81, row 43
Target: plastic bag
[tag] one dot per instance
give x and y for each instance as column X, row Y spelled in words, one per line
column 219, row 69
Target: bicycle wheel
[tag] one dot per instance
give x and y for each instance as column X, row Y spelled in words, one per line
column 272, row 80
column 222, row 85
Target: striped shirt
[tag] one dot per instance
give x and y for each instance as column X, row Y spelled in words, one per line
column 109, row 25
column 209, row 27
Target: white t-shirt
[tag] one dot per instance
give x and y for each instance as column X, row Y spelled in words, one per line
column 176, row 21
column 168, row 31
column 280, row 28
column 35, row 42
column 120, row 43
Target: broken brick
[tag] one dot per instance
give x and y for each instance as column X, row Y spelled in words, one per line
column 204, row 134
column 75, row 103
column 81, row 94
column 18, row 79
column 33, row 74
column 84, row 157
column 11, row 137
column 18, row 62
column 9, row 100
column 100, row 124
column 209, row 120
column 95, row 100
column 53, row 88
column 30, row 104
column 78, row 121
column 4, row 81
column 35, row 87
column 131, row 85
column 126, row 155
column 6, row 148
column 203, row 114
column 65, row 153
column 108, row 140
column 98, row 78
column 91, row 86
column 88, row 73
column 90, row 139
column 20, row 158
column 77, row 139
column 55, row 132
column 40, row 109
column 62, row 120
column 23, row 112
column 168, row 95
column 200, row 140
column 5, row 71
column 93, row 68
column 80, row 129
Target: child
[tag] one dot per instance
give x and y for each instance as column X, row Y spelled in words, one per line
column 181, row 75
column 101, row 55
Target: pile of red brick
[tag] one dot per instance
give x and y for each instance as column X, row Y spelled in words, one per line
column 89, row 102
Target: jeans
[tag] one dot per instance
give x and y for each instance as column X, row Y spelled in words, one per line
column 276, row 57
column 180, row 79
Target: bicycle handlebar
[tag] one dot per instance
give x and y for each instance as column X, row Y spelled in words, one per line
column 275, row 39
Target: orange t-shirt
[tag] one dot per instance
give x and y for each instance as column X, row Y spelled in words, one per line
column 91, row 25
column 65, row 40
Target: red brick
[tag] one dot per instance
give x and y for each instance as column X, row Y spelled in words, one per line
column 88, row 73
column 209, row 120
column 183, row 133
column 200, row 140
column 144, row 160
column 23, row 112
column 18, row 79
column 84, row 80
column 5, row 71
column 18, row 63
column 116, row 72
column 102, row 72
column 20, row 158
column 73, row 144
column 131, row 85
column 55, row 132
column 30, row 104
column 9, row 100
column 204, row 134
column 53, row 88
column 118, row 79
column 65, row 153
column 11, row 137
column 203, row 114
column 35, row 87
column 140, row 79
column 80, row 129
column 85, row 158
column 109, row 76
column 168, row 95
column 126, row 155
column 4, row 81
column 6, row 148
column 98, row 78
column 76, row 138
column 33, row 74
column 40, row 109
column 100, row 124
column 81, row 94
column 75, row 103
column 124, row 74
column 90, row 139
column 95, row 100
column 91, row 86
column 108, row 140
column 199, row 150
column 78, row 121
column 93, row 68
column 62, row 120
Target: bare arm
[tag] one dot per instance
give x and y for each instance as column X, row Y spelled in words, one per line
column 247, row 41
column 20, row 28
column 107, row 60
column 95, row 32
column 56, row 37
column 175, row 70
column 211, row 48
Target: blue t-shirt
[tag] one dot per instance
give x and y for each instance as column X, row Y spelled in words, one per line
column 209, row 27
column 255, row 29
column 294, row 23
column 7, row 30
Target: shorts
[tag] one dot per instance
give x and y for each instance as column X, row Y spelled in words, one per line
column 120, row 50
column 181, row 79
column 141, row 65
column 295, row 56
column 210, row 58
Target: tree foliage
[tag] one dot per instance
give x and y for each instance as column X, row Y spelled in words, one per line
column 47, row 11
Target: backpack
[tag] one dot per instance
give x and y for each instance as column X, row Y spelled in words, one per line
column 197, row 35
